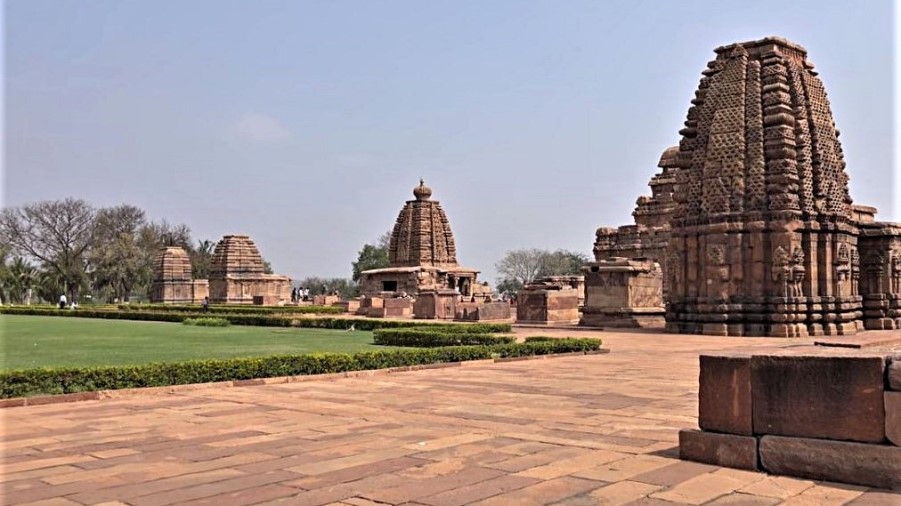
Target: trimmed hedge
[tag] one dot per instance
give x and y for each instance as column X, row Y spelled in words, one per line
column 539, row 339
column 427, row 337
column 30, row 382
column 222, row 309
column 261, row 320
column 207, row 322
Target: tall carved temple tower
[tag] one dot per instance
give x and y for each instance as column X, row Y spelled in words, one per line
column 763, row 238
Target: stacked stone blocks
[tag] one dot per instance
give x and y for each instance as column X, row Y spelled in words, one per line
column 821, row 416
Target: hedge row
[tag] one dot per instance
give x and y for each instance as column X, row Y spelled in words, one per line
column 30, row 382
column 259, row 320
column 427, row 337
column 220, row 309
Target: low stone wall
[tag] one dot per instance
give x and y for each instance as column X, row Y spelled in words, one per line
column 823, row 416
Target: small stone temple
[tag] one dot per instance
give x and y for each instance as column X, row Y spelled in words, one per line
column 421, row 254
column 173, row 282
column 237, row 275
column 764, row 239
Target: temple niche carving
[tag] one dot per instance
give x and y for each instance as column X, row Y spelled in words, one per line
column 422, row 255
column 173, row 282
column 764, row 239
column 237, row 275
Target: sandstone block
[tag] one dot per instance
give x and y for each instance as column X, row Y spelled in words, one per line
column 724, row 396
column 838, row 397
column 856, row 463
column 893, row 417
column 894, row 375
column 718, row 449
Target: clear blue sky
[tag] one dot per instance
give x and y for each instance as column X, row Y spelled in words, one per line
column 307, row 124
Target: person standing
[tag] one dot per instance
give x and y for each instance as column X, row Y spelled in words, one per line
column 62, row 301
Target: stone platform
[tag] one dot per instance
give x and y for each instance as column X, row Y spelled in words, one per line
column 599, row 429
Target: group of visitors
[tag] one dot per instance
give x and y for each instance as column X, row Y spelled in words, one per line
column 63, row 302
column 300, row 294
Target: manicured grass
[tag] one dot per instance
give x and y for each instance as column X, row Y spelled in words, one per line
column 44, row 341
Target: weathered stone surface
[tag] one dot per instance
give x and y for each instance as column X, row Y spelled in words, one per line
column 724, row 394
column 483, row 311
column 856, row 463
column 759, row 166
column 173, row 281
column 893, row 417
column 647, row 238
column 726, row 450
column 547, row 302
column 422, row 254
column 831, row 397
column 437, row 304
column 237, row 274
column 893, row 375
column 623, row 293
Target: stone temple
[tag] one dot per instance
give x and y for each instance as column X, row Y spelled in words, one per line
column 422, row 254
column 237, row 275
column 764, row 239
column 173, row 282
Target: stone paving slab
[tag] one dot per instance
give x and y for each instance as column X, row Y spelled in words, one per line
column 581, row 430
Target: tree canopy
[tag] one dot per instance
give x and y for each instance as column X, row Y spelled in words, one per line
column 521, row 266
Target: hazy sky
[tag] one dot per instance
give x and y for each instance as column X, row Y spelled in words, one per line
column 307, row 124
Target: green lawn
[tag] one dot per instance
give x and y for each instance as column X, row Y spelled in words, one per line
column 46, row 341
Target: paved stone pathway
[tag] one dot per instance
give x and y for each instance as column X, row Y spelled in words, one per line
column 586, row 430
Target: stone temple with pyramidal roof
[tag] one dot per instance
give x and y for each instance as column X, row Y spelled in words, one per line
column 422, row 254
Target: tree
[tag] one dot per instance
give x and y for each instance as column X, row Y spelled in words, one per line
column 372, row 256
column 57, row 233
column 318, row 286
column 522, row 266
column 118, row 263
column 21, row 279
column 202, row 259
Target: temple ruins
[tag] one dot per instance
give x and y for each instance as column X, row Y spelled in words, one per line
column 237, row 275
column 422, row 255
column 751, row 219
column 173, row 281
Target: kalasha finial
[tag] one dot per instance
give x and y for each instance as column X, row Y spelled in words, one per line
column 422, row 192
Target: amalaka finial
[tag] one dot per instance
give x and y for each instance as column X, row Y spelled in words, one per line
column 422, row 192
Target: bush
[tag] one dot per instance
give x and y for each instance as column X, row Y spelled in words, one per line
column 426, row 337
column 260, row 320
column 207, row 322
column 44, row 381
column 539, row 339
column 231, row 309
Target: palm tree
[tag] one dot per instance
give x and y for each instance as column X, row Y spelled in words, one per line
column 22, row 278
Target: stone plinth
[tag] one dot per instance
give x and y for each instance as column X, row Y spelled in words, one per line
column 547, row 303
column 436, row 305
column 325, row 300
column 762, row 235
column 393, row 308
column 483, row 311
column 237, row 274
column 349, row 306
column 367, row 304
column 828, row 415
column 172, row 278
column 623, row 293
